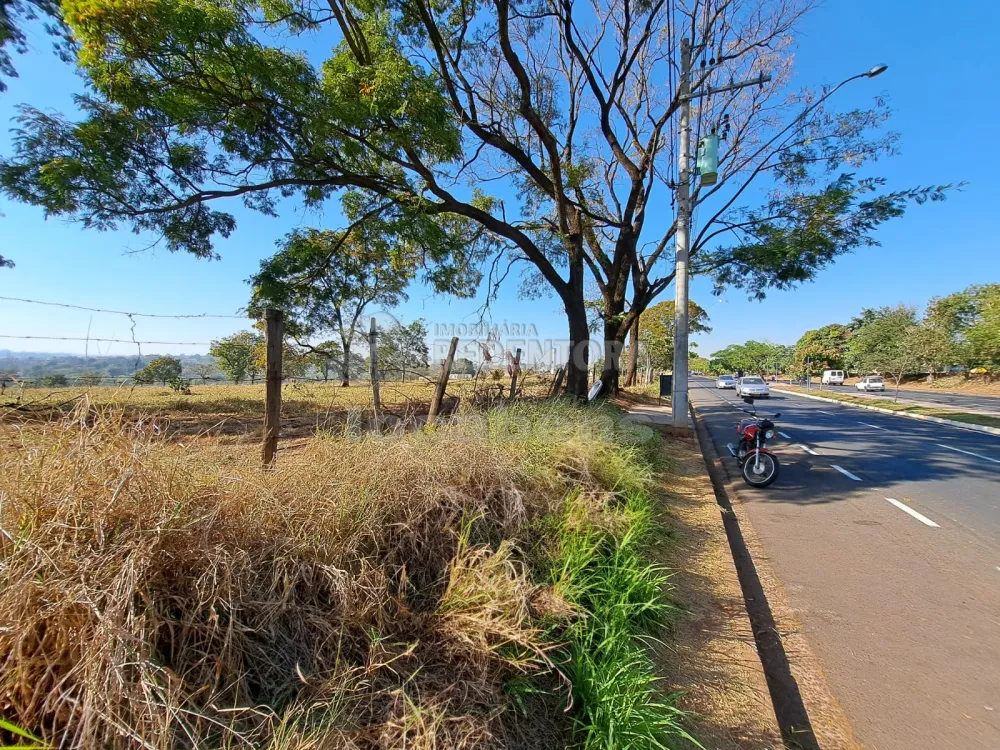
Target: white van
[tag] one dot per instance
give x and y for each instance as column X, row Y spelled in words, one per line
column 833, row 377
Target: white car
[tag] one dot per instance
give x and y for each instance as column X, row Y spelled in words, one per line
column 752, row 386
column 725, row 381
column 870, row 383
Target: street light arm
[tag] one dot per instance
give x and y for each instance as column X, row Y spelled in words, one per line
column 797, row 121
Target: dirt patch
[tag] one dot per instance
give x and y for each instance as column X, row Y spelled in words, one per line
column 710, row 655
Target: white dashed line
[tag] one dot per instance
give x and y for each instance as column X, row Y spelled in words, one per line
column 969, row 453
column 784, row 435
column 846, row 473
column 824, row 412
column 874, row 425
column 810, row 451
column 907, row 509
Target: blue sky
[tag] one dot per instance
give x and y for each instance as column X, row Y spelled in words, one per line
column 941, row 84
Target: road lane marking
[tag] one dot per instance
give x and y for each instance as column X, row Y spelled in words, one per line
column 907, row 509
column 785, row 436
column 825, row 412
column 846, row 473
column 875, row 426
column 810, row 451
column 969, row 453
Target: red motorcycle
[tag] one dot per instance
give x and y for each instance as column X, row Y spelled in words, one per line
column 758, row 465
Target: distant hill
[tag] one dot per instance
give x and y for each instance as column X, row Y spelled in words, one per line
column 33, row 365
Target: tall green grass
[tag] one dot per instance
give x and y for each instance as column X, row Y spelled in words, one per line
column 606, row 574
column 600, row 565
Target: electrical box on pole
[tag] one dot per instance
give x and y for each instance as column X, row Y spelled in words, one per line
column 708, row 159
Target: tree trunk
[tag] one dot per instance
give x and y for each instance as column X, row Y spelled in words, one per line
column 577, row 370
column 614, row 337
column 633, row 353
column 346, row 375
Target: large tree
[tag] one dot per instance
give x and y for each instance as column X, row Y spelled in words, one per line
column 656, row 336
column 403, row 348
column 160, row 370
column 822, row 349
column 567, row 113
column 325, row 280
column 236, row 355
column 888, row 343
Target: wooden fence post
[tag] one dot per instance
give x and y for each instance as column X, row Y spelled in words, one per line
column 373, row 359
column 560, row 374
column 274, row 321
column 442, row 382
column 515, row 371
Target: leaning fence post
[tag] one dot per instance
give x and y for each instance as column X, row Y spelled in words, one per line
column 373, row 359
column 442, row 382
column 515, row 371
column 274, row 321
column 557, row 383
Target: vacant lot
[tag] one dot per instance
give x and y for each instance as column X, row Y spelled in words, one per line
column 487, row 584
column 237, row 410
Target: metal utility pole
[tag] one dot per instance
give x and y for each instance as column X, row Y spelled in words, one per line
column 679, row 395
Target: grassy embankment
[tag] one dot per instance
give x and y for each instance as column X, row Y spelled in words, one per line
column 486, row 584
column 906, row 408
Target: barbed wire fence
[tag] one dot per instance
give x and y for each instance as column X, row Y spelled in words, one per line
column 486, row 376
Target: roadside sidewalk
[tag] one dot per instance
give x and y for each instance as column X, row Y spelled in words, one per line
column 710, row 655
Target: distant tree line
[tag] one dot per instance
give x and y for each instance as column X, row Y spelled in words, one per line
column 960, row 331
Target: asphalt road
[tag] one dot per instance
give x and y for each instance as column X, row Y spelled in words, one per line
column 885, row 532
column 955, row 401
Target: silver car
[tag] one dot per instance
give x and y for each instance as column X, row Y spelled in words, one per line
column 725, row 381
column 751, row 385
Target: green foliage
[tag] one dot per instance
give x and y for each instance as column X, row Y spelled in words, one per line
column 236, row 355
column 402, row 348
column 822, row 349
column 656, row 331
column 55, row 381
column 607, row 576
column 178, row 384
column 463, row 366
column 13, row 14
column 886, row 344
column 36, row 743
column 751, row 357
column 160, row 370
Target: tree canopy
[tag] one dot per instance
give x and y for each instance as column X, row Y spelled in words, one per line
column 750, row 357
column 567, row 115
column 160, row 370
column 236, row 355
column 325, row 280
column 822, row 349
column 656, row 333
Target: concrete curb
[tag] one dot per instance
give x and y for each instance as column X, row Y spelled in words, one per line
column 922, row 417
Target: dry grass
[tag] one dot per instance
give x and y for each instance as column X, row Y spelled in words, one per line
column 369, row 592
column 237, row 410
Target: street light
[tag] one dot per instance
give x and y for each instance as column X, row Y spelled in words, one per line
column 679, row 395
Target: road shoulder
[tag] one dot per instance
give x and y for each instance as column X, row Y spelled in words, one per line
column 710, row 656
column 789, row 661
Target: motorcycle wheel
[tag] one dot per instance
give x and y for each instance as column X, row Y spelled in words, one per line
column 762, row 475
